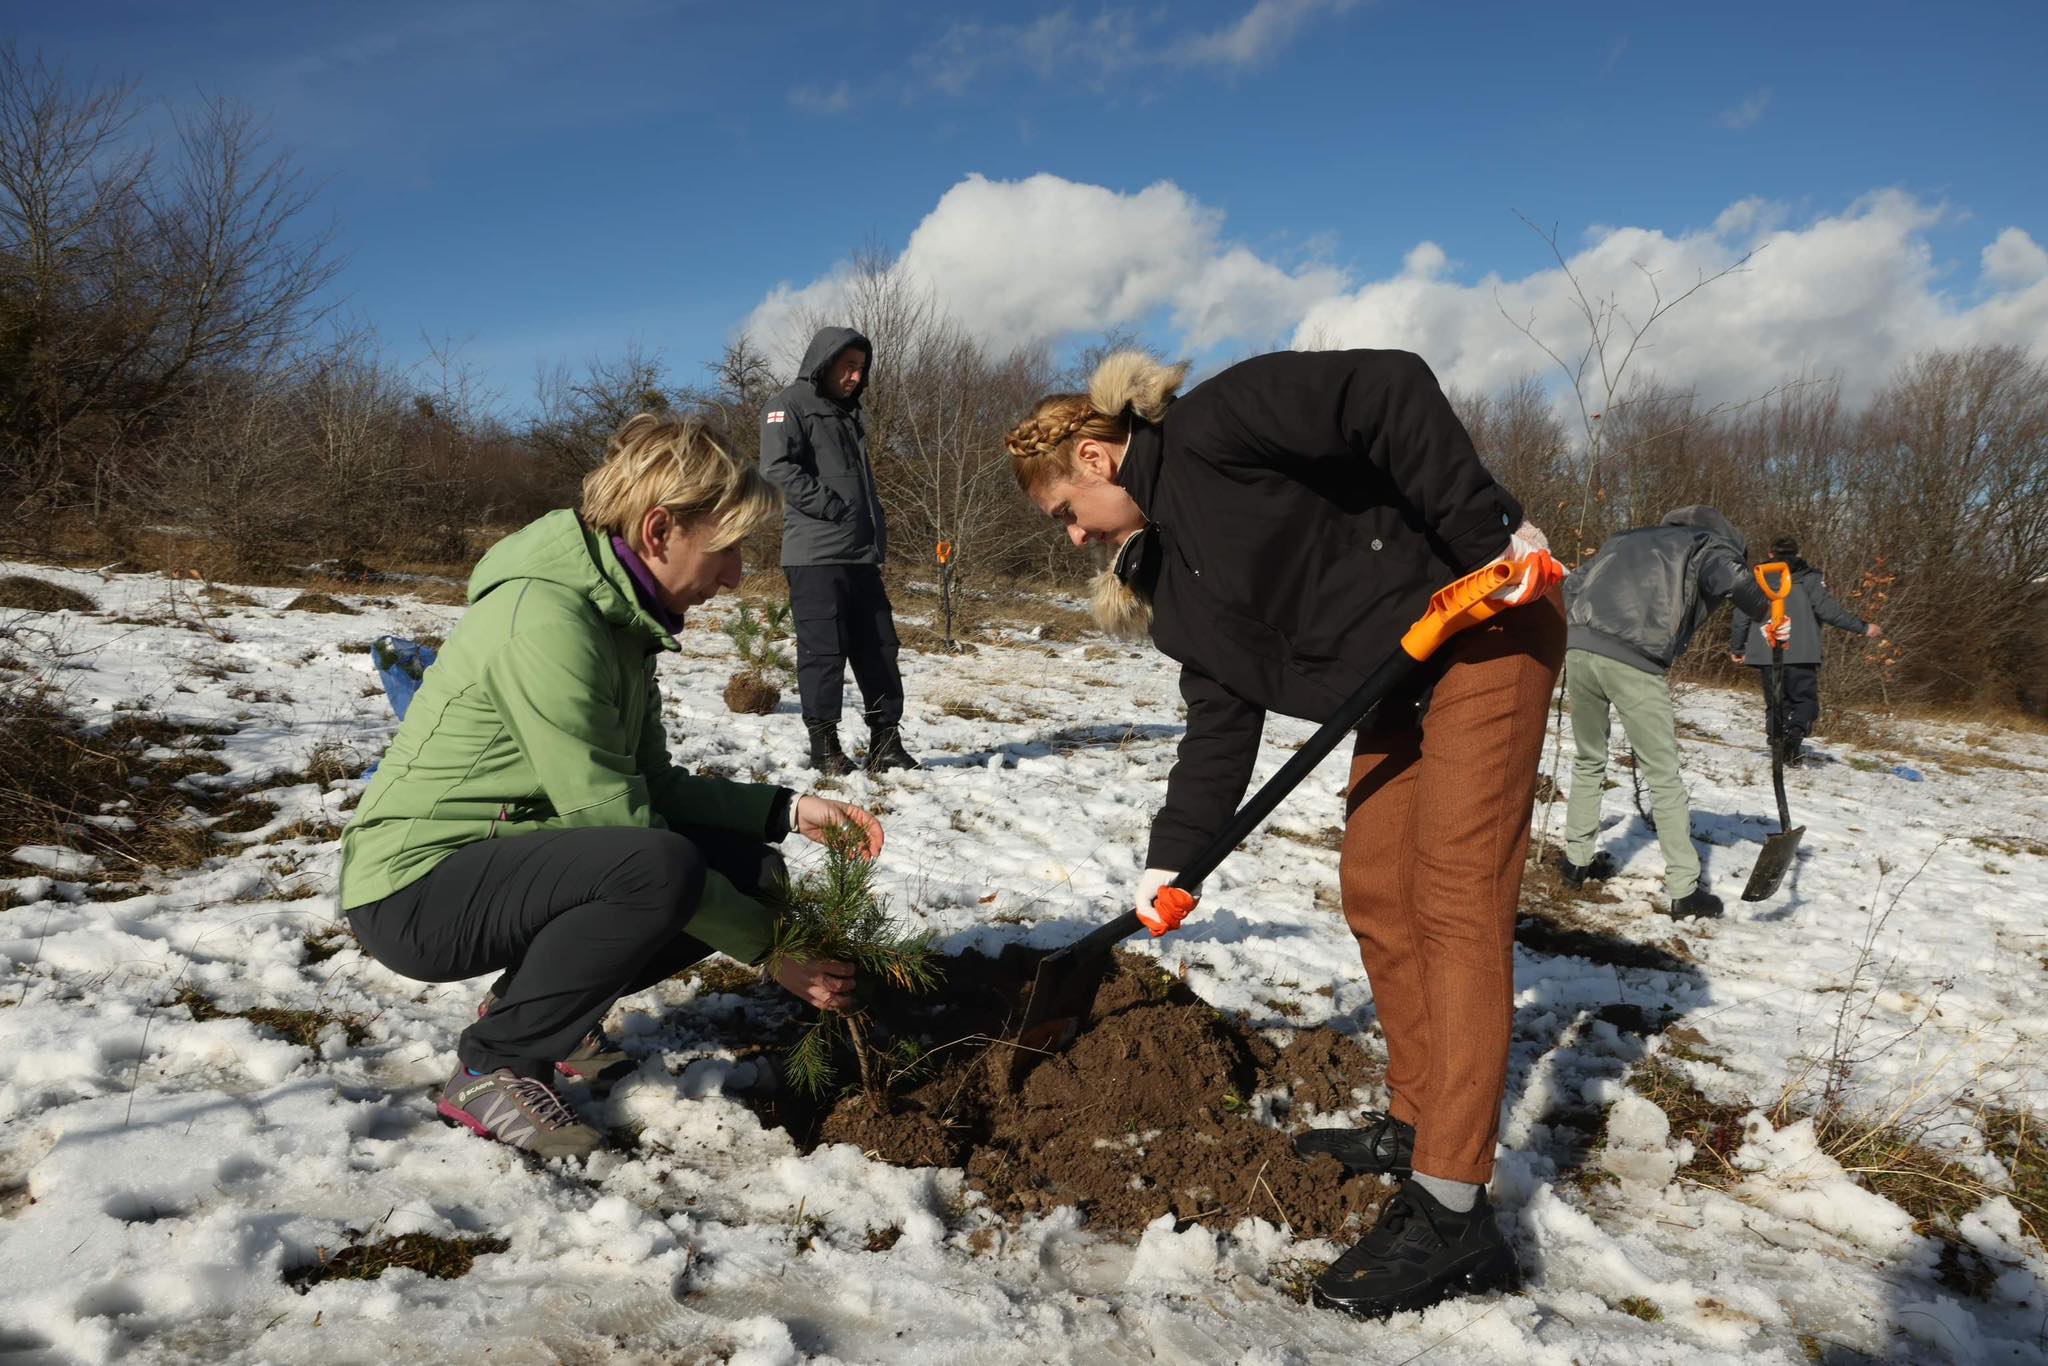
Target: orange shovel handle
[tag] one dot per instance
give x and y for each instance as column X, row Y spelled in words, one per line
column 1776, row 591
column 1467, row 602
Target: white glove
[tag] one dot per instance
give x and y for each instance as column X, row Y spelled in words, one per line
column 1527, row 540
column 1155, row 917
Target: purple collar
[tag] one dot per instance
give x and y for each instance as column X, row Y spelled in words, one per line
column 644, row 585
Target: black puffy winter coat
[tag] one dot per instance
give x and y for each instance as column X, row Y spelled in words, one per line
column 1302, row 507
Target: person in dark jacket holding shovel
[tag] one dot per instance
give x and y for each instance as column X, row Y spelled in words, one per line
column 1632, row 609
column 814, row 446
column 1277, row 530
column 1807, row 607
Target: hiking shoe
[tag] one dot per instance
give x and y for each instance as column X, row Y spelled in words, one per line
column 885, row 749
column 1579, row 874
column 1697, row 902
column 594, row 1059
column 519, row 1111
column 1417, row 1255
column 826, row 755
column 1382, row 1144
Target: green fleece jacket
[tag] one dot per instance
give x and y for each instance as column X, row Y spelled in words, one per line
column 541, row 713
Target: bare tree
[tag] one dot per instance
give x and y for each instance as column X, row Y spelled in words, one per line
column 127, row 276
column 579, row 413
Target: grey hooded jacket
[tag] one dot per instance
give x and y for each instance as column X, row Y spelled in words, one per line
column 1808, row 605
column 816, row 450
column 1641, row 599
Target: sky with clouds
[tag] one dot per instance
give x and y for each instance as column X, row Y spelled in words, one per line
column 536, row 182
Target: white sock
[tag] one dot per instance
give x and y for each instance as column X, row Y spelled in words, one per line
column 1457, row 1196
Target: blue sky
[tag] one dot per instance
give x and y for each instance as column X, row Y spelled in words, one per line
column 542, row 182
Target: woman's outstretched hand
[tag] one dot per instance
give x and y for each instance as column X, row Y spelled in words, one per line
column 821, row 982
column 814, row 816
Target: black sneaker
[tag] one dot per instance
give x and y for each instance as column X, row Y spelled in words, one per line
column 1698, row 902
column 1419, row 1254
column 1579, row 874
column 1382, row 1145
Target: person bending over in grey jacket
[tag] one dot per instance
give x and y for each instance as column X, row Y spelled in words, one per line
column 1809, row 605
column 1630, row 611
column 814, row 446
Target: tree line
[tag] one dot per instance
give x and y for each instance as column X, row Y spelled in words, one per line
column 168, row 359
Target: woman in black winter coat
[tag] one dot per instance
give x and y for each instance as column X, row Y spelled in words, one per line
column 1277, row 529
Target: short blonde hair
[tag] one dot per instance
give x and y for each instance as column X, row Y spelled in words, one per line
column 683, row 464
column 1129, row 382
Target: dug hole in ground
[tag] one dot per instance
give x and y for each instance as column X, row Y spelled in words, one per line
column 1805, row 1132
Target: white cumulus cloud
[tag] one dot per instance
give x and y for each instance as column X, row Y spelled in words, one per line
column 1848, row 294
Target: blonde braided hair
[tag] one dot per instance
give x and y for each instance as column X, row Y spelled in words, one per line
column 1042, row 449
column 1042, row 446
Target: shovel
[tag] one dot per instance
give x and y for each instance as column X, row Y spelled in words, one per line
column 1776, row 859
column 1064, row 989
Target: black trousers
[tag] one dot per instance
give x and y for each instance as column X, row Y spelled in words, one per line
column 843, row 617
column 572, row 919
column 1800, row 685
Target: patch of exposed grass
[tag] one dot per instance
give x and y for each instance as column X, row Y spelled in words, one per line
column 967, row 711
column 322, row 945
column 2015, row 1138
column 302, row 1027
column 2013, row 845
column 445, row 1259
column 1329, row 837
column 331, row 763
column 319, row 831
column 1638, row 1307
column 1713, row 1127
column 26, row 593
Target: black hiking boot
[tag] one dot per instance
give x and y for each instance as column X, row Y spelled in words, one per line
column 1792, row 750
column 1579, row 874
column 1697, row 902
column 1382, row 1145
column 885, row 747
column 1417, row 1255
column 826, row 756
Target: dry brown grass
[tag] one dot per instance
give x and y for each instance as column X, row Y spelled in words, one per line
column 967, row 711
column 26, row 593
column 444, row 1259
column 302, row 1027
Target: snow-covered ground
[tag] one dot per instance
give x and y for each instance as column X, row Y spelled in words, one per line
column 158, row 1174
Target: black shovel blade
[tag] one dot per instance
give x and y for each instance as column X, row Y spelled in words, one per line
column 1062, row 994
column 1773, row 863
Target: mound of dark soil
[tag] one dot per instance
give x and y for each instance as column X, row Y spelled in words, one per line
column 750, row 694
column 319, row 602
column 1147, row 1113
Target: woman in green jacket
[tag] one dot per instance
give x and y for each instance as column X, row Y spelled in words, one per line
column 526, row 819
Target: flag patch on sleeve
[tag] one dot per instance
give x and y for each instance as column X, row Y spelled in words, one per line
column 775, row 416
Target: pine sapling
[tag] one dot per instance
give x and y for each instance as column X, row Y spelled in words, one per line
column 765, row 666
column 833, row 913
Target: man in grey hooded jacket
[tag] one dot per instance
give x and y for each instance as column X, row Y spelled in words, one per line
column 1630, row 611
column 1809, row 606
column 814, row 446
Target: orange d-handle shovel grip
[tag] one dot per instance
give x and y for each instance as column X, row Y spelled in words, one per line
column 1464, row 604
column 1777, row 592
